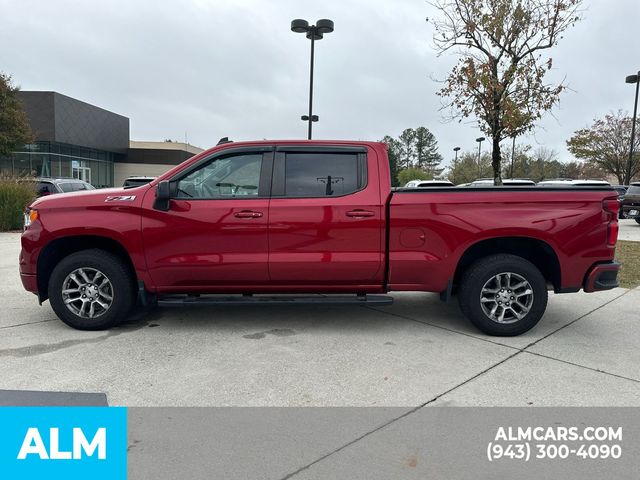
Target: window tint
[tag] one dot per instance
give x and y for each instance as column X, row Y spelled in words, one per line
column 227, row 177
column 45, row 188
column 323, row 174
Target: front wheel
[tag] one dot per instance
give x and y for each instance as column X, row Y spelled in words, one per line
column 503, row 295
column 91, row 290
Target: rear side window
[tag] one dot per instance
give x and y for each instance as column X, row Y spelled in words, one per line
column 74, row 186
column 45, row 188
column 323, row 174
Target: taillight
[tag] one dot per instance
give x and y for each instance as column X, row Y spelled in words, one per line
column 612, row 206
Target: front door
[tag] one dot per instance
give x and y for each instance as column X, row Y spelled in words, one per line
column 215, row 231
column 325, row 219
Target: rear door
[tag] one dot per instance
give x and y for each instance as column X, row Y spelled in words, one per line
column 325, row 217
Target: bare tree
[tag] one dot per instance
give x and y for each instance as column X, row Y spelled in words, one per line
column 499, row 77
column 606, row 144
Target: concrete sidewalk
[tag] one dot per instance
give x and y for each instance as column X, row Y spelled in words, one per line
column 629, row 230
column 417, row 352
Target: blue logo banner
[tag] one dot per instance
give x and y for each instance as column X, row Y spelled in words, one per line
column 63, row 442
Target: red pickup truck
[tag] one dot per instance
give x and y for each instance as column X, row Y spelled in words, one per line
column 276, row 221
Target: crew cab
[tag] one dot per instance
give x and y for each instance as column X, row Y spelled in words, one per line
column 275, row 221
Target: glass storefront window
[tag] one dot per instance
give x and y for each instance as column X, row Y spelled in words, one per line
column 51, row 159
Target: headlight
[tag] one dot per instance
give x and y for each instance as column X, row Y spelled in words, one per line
column 30, row 215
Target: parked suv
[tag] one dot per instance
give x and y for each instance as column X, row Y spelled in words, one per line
column 428, row 183
column 631, row 202
column 48, row 186
column 507, row 182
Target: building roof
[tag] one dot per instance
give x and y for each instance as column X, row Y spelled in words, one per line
column 185, row 147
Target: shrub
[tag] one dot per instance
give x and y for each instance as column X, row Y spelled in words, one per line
column 409, row 174
column 14, row 197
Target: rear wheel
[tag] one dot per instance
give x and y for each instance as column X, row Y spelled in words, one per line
column 91, row 290
column 503, row 295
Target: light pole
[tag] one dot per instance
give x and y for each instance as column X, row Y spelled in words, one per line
column 314, row 32
column 456, row 149
column 632, row 79
column 479, row 140
column 513, row 154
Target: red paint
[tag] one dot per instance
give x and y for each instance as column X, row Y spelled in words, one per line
column 329, row 244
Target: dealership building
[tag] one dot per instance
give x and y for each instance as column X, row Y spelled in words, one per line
column 78, row 140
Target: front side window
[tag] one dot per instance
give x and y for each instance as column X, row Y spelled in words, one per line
column 323, row 174
column 226, row 177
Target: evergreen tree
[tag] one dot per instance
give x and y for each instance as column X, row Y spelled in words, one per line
column 407, row 141
column 393, row 152
column 427, row 156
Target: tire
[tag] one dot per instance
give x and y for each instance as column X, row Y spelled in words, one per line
column 638, row 220
column 481, row 279
column 105, row 303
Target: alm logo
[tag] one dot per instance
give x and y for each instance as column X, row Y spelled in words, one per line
column 34, row 445
column 63, row 442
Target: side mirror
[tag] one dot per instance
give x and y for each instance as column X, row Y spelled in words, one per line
column 163, row 196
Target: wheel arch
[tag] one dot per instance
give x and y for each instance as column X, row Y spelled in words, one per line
column 538, row 252
column 60, row 248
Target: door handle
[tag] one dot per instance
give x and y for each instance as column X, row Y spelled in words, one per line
column 360, row 213
column 247, row 214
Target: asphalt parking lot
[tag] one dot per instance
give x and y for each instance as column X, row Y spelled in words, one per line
column 418, row 351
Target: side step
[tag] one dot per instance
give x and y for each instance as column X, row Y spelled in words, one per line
column 184, row 300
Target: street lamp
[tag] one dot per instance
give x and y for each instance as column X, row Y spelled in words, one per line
column 632, row 79
column 479, row 140
column 313, row 32
column 513, row 154
column 456, row 149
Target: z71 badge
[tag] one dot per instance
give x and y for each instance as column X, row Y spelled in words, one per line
column 121, row 198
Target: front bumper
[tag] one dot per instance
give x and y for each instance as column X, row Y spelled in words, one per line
column 602, row 276
column 29, row 282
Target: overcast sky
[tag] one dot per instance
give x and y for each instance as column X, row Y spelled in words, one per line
column 214, row 68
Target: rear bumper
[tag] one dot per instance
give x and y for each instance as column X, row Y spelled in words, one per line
column 626, row 209
column 602, row 276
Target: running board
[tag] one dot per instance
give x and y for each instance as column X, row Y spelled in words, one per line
column 184, row 300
